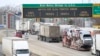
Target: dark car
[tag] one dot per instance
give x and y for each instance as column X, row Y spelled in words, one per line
column 19, row 34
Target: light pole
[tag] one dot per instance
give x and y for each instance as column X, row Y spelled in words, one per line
column 7, row 24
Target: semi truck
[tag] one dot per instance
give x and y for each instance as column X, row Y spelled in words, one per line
column 23, row 26
column 95, row 49
column 49, row 33
column 85, row 40
column 65, row 28
column 35, row 28
column 79, row 40
column 13, row 46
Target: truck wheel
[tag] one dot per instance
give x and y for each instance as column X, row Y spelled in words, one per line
column 97, row 53
column 44, row 38
column 92, row 53
column 59, row 39
column 38, row 38
column 47, row 39
column 3, row 54
column 41, row 38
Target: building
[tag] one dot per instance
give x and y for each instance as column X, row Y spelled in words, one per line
column 0, row 19
column 9, row 20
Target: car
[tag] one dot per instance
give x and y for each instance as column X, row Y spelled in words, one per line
column 19, row 34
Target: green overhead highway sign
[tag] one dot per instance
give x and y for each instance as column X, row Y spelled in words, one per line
column 96, row 10
column 56, row 10
column 61, row 10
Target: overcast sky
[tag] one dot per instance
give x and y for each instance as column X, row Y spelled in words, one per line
column 19, row 2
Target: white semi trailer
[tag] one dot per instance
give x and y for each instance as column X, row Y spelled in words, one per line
column 24, row 26
column 96, row 45
column 13, row 46
column 49, row 33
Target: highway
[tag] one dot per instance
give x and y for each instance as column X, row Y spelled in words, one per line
column 53, row 49
column 41, row 48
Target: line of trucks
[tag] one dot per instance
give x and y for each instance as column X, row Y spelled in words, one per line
column 78, row 38
column 32, row 27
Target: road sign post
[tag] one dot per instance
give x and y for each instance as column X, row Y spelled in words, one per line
column 7, row 24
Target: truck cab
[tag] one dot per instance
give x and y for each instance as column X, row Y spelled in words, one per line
column 86, row 38
column 96, row 45
column 21, row 50
column 14, row 46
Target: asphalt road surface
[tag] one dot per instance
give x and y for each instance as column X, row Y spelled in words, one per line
column 53, row 49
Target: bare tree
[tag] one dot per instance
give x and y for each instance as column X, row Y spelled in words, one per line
column 6, row 9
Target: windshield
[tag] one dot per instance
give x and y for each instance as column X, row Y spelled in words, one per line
column 23, row 51
column 87, row 35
